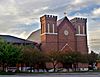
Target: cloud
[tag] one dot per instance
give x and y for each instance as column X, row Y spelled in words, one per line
column 94, row 39
column 21, row 17
column 96, row 12
column 40, row 9
column 23, row 34
column 93, row 28
column 77, row 2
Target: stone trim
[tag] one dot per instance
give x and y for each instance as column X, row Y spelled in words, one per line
column 80, row 35
column 49, row 33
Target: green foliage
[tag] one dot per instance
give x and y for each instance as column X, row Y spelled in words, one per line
column 83, row 58
column 98, row 57
column 54, row 56
column 92, row 57
column 70, row 57
column 9, row 54
column 32, row 56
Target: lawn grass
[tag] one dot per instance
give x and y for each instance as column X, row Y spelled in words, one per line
column 7, row 73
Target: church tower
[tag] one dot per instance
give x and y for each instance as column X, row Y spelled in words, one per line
column 81, row 34
column 48, row 33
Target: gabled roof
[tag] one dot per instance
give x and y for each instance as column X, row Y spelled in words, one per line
column 13, row 39
column 59, row 21
column 64, row 19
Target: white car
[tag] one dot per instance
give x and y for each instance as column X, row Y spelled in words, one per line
column 11, row 69
column 58, row 70
column 51, row 70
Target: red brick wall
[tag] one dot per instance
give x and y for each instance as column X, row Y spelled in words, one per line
column 82, row 44
column 70, row 38
column 83, row 65
column 49, row 47
column 51, row 42
column 81, row 39
column 98, row 65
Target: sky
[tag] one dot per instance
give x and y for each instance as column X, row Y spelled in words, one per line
column 21, row 17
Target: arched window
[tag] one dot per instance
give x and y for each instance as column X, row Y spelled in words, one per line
column 48, row 28
column 83, row 30
column 53, row 28
column 79, row 29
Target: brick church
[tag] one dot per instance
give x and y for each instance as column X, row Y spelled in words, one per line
column 62, row 35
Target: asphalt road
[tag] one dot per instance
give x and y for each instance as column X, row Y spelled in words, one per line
column 54, row 75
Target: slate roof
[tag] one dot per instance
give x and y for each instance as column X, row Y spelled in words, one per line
column 13, row 39
column 35, row 36
column 31, row 35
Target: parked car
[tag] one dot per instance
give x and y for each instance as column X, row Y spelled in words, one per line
column 83, row 69
column 58, row 70
column 63, row 70
column 11, row 69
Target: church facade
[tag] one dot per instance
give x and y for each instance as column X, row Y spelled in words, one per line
column 63, row 34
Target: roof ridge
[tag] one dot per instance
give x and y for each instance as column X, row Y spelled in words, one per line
column 65, row 18
column 13, row 36
column 6, row 37
column 33, row 32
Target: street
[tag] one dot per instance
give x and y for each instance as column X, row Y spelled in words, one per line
column 54, row 75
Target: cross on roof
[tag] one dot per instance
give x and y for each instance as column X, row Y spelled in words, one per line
column 65, row 13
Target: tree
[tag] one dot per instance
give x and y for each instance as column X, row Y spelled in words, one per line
column 27, row 56
column 92, row 57
column 70, row 59
column 33, row 57
column 54, row 58
column 98, row 57
column 83, row 58
column 9, row 54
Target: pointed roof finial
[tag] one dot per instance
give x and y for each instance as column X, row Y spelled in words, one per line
column 65, row 14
